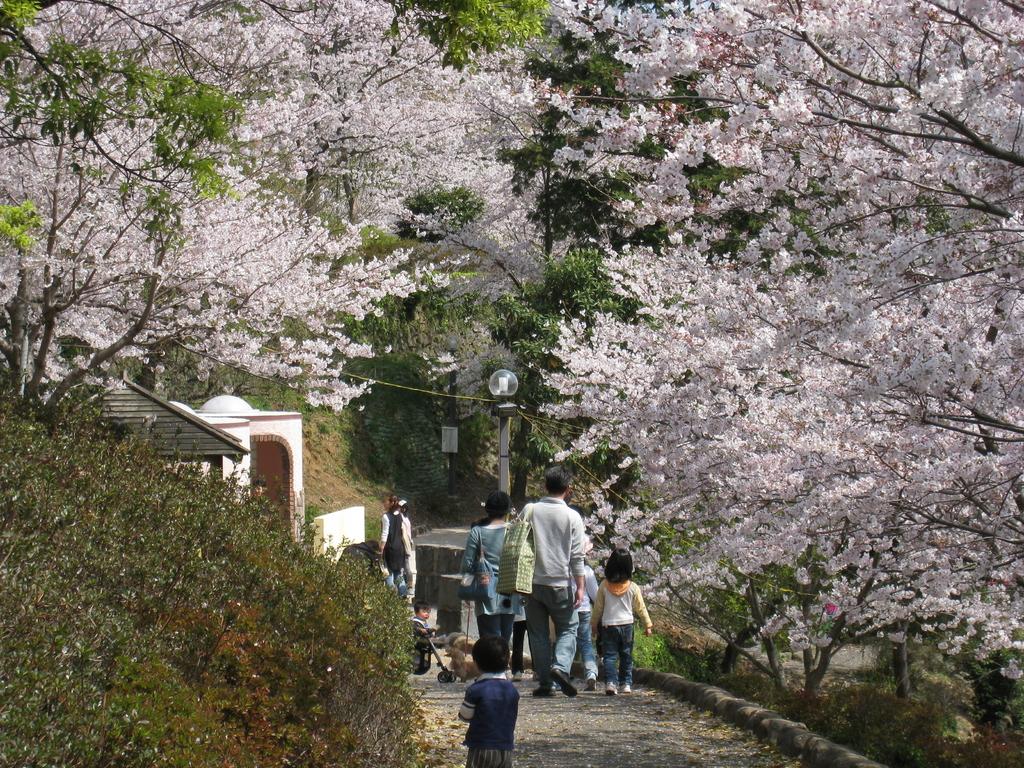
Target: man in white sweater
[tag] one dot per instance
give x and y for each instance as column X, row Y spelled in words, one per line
column 558, row 583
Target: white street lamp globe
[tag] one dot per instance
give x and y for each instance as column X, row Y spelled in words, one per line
column 503, row 383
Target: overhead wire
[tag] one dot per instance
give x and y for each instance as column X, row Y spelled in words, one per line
column 439, row 393
column 538, row 422
column 431, row 392
column 536, row 417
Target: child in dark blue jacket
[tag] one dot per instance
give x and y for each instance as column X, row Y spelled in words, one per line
column 491, row 707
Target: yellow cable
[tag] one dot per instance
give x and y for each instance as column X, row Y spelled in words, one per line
column 535, row 420
column 418, row 389
column 557, row 423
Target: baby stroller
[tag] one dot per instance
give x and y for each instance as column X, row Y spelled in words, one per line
column 368, row 551
column 426, row 648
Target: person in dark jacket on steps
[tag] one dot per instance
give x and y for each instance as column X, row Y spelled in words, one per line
column 392, row 544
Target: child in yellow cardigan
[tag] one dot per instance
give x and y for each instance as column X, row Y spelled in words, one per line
column 618, row 605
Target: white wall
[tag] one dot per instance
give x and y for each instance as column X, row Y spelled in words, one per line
column 339, row 529
column 238, row 428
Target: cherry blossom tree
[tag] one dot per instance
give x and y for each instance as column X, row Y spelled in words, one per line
column 828, row 381
column 170, row 177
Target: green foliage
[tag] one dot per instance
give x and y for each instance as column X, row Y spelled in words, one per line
column 898, row 732
column 656, row 652
column 453, row 209
column 988, row 748
column 877, row 724
column 572, row 201
column 150, row 618
column 577, row 286
column 570, row 204
column 17, row 223
column 18, row 14
column 417, row 324
column 463, row 28
column 378, row 242
column 72, row 93
column 996, row 697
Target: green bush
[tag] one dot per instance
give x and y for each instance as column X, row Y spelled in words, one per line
column 881, row 726
column 453, row 208
column 998, row 699
column 655, row 652
column 876, row 723
column 150, row 618
column 988, row 749
column 750, row 685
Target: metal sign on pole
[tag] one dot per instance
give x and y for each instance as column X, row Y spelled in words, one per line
column 449, row 439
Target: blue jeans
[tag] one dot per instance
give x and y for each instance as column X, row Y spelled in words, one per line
column 557, row 604
column 396, row 580
column 617, row 645
column 496, row 625
column 585, row 645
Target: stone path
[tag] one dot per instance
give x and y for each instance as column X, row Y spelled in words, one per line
column 647, row 729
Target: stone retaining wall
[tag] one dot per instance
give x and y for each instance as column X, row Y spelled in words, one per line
column 438, row 559
column 433, row 562
column 789, row 737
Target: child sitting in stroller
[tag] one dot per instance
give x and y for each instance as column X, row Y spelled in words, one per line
column 424, row 636
column 422, row 632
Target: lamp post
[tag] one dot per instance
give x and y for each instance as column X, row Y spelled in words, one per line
column 503, row 383
column 453, row 419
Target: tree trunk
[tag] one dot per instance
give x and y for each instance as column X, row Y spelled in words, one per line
column 521, row 471
column 814, row 675
column 771, row 651
column 549, row 234
column 311, row 191
column 775, row 663
column 20, row 333
column 732, row 649
column 729, row 658
column 350, row 196
column 147, row 376
column 901, row 669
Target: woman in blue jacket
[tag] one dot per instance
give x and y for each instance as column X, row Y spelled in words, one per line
column 494, row 616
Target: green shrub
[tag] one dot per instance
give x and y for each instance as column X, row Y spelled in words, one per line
column 453, row 209
column 148, row 618
column 988, row 749
column 750, row 685
column 998, row 699
column 655, row 652
column 896, row 732
column 881, row 726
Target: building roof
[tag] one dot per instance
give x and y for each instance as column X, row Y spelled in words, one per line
column 226, row 405
column 172, row 428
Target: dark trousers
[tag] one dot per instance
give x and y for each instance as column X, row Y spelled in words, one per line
column 518, row 641
column 496, row 625
column 489, row 758
column 422, row 663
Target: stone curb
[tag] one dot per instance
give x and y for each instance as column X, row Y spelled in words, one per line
column 789, row 737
